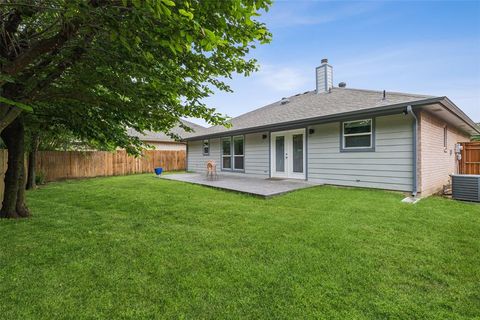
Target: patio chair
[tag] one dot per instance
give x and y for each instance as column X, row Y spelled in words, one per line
column 212, row 170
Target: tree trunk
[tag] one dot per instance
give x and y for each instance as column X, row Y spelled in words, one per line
column 22, row 210
column 13, row 205
column 32, row 159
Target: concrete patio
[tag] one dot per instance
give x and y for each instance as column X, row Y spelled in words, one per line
column 243, row 183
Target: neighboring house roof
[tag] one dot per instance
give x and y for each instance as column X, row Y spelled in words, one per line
column 164, row 137
column 311, row 106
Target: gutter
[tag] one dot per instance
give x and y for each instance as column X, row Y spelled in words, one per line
column 415, row 128
column 452, row 108
column 383, row 110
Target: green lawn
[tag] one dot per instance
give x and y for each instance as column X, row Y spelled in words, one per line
column 141, row 247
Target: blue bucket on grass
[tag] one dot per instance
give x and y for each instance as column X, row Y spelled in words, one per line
column 158, row 171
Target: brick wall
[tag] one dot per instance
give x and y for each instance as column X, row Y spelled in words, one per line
column 435, row 162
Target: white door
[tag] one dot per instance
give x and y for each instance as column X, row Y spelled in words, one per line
column 288, row 154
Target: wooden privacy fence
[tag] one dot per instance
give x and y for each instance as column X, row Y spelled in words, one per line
column 470, row 162
column 59, row 165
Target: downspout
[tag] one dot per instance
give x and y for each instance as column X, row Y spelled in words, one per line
column 186, row 157
column 415, row 128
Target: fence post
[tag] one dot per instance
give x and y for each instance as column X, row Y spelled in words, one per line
column 470, row 162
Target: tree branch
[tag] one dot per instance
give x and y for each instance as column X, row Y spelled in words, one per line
column 44, row 46
column 8, row 115
column 9, row 28
column 40, row 48
column 13, row 20
column 64, row 65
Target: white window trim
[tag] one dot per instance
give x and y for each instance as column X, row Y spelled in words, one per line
column 344, row 147
column 238, row 155
column 232, row 154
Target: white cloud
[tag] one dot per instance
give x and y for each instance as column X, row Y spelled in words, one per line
column 283, row 79
column 303, row 13
column 428, row 67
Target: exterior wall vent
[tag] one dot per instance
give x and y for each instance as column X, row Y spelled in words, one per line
column 466, row 187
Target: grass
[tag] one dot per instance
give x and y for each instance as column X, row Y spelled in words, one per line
column 140, row 247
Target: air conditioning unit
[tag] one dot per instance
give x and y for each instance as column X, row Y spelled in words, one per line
column 466, row 187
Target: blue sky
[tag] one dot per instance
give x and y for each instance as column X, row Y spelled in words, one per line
column 428, row 47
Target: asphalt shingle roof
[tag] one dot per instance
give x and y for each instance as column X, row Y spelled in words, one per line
column 163, row 137
column 310, row 104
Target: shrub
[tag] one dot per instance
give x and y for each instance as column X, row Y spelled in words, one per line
column 40, row 178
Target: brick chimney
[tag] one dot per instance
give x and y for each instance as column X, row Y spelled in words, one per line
column 324, row 77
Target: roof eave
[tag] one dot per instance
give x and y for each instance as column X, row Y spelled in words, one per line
column 452, row 107
column 383, row 110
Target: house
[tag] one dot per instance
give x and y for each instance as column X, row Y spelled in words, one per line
column 163, row 141
column 342, row 136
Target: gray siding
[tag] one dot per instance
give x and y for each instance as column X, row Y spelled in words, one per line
column 388, row 167
column 257, row 157
column 197, row 162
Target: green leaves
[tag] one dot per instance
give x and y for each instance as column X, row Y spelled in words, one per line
column 185, row 13
column 16, row 104
column 150, row 63
column 169, row 3
column 6, row 78
column 137, row 3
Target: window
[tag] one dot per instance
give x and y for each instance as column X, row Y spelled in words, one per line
column 233, row 154
column 238, row 154
column 206, row 147
column 357, row 134
column 297, row 152
column 280, row 153
column 226, row 153
column 445, row 138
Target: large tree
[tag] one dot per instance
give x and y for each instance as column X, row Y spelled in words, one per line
column 100, row 66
